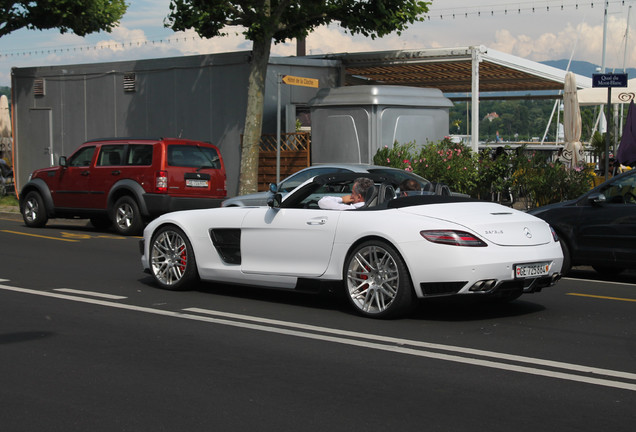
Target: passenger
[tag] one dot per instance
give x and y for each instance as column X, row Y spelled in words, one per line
column 348, row 202
column 409, row 185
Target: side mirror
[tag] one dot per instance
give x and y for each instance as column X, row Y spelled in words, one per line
column 273, row 187
column 275, row 200
column 597, row 198
column 63, row 161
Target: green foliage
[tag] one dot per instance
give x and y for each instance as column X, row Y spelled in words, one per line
column 446, row 162
column 519, row 120
column 529, row 176
column 279, row 20
column 545, row 182
column 79, row 16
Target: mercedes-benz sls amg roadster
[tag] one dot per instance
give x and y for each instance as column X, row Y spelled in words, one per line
column 384, row 255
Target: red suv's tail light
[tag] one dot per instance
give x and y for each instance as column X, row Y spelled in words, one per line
column 161, row 181
column 454, row 238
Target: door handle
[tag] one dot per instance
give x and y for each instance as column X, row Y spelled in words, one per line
column 319, row 221
column 116, row 172
column 85, row 173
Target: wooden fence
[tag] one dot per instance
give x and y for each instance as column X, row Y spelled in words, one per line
column 294, row 155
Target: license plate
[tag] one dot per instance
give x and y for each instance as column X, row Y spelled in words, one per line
column 196, row 183
column 532, row 270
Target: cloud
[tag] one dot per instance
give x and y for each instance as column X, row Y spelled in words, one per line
column 583, row 41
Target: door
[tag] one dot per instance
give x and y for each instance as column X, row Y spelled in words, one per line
column 609, row 229
column 74, row 184
column 291, row 242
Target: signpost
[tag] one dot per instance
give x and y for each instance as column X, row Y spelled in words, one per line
column 289, row 80
column 608, row 81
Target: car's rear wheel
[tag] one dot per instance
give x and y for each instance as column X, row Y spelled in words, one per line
column 172, row 261
column 33, row 211
column 377, row 281
column 126, row 216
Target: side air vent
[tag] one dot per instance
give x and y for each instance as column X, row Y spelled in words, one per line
column 227, row 242
column 129, row 82
column 38, row 87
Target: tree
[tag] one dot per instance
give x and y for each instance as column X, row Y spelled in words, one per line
column 79, row 16
column 267, row 21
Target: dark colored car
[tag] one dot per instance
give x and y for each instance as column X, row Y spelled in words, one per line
column 599, row 228
column 125, row 183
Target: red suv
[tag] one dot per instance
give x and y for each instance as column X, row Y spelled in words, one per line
column 126, row 182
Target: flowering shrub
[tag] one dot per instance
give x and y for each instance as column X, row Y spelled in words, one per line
column 524, row 174
column 446, row 162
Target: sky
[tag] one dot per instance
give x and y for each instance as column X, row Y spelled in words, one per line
column 537, row 30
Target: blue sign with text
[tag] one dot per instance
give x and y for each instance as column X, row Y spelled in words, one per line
column 609, row 80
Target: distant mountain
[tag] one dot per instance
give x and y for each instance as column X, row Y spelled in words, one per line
column 585, row 68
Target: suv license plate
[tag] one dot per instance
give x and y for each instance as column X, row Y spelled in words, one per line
column 196, row 183
column 531, row 270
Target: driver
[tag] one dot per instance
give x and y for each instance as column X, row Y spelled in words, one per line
column 348, row 202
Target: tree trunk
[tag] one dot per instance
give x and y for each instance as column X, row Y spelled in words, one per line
column 248, row 182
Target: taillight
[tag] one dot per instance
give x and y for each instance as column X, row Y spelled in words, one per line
column 453, row 238
column 555, row 236
column 161, row 181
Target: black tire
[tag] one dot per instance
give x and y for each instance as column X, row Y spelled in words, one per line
column 608, row 271
column 567, row 258
column 101, row 222
column 172, row 262
column 377, row 282
column 126, row 217
column 33, row 210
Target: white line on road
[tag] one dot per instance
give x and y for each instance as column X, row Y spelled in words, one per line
column 263, row 324
column 90, row 293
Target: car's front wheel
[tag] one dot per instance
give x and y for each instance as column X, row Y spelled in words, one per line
column 127, row 217
column 33, row 211
column 172, row 261
column 377, row 281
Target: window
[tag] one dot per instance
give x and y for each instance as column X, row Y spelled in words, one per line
column 111, row 155
column 82, row 158
column 140, row 154
column 193, row 156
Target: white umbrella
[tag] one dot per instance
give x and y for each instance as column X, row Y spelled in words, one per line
column 573, row 154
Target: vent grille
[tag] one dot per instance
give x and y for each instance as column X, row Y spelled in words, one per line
column 38, row 87
column 129, row 82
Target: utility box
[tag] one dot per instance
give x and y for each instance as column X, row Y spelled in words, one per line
column 350, row 124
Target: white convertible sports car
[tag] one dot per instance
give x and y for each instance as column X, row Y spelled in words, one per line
column 384, row 255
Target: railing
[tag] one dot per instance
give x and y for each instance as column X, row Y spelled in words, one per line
column 295, row 155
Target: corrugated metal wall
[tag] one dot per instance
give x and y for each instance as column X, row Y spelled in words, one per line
column 197, row 97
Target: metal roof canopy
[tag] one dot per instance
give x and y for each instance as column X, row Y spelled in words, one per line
column 455, row 70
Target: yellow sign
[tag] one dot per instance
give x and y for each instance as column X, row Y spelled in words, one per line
column 300, row 81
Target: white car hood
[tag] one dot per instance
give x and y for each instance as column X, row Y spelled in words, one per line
column 498, row 224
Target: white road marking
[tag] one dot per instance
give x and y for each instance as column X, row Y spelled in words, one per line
column 91, row 293
column 382, row 343
column 598, row 281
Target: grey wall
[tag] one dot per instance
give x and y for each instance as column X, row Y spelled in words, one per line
column 196, row 97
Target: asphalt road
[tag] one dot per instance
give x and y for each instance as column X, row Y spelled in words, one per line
column 88, row 343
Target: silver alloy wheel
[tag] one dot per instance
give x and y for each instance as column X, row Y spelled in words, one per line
column 124, row 216
column 31, row 209
column 373, row 279
column 169, row 257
